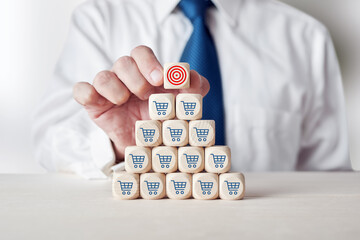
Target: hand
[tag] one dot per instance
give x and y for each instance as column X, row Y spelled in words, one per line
column 118, row 97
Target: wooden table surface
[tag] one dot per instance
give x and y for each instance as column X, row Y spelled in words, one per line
column 302, row 205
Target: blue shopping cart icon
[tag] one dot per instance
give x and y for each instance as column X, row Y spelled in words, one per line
column 218, row 160
column 202, row 133
column 189, row 107
column 138, row 160
column 165, row 160
column 175, row 134
column 153, row 187
column 148, row 134
column 161, row 107
column 233, row 187
column 206, row 187
column 179, row 187
column 191, row 160
column 126, row 187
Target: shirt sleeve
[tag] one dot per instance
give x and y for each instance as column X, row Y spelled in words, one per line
column 324, row 141
column 65, row 138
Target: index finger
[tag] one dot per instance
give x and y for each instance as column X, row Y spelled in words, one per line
column 148, row 65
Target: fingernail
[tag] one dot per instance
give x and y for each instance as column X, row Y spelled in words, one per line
column 198, row 75
column 156, row 76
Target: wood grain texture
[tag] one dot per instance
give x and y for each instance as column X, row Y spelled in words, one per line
column 191, row 159
column 164, row 159
column 137, row 159
column 152, row 186
column 176, row 75
column 189, row 106
column 205, row 186
column 148, row 133
column 217, row 159
column 202, row 133
column 126, row 186
column 175, row 133
column 231, row 186
column 178, row 185
column 162, row 106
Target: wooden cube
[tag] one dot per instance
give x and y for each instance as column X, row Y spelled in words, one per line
column 189, row 106
column 191, row 159
column 175, row 133
column 125, row 185
column 178, row 185
column 148, row 133
column 202, row 133
column 162, row 106
column 217, row 159
column 176, row 75
column 164, row 159
column 232, row 186
column 152, row 185
column 137, row 159
column 205, row 186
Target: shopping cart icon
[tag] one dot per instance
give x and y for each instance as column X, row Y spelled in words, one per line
column 206, row 187
column 153, row 187
column 191, row 160
column 148, row 134
column 189, row 107
column 218, row 160
column 179, row 187
column 233, row 187
column 202, row 134
column 126, row 187
column 165, row 160
column 138, row 160
column 175, row 134
column 161, row 107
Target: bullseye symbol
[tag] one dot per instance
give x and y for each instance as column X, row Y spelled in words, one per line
column 176, row 75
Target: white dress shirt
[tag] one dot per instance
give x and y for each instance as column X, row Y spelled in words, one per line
column 282, row 86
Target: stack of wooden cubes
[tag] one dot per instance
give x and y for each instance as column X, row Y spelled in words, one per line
column 175, row 154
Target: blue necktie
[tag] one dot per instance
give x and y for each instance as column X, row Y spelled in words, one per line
column 200, row 53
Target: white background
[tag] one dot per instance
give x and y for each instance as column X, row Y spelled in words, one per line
column 33, row 33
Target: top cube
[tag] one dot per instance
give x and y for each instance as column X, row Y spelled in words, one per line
column 176, row 75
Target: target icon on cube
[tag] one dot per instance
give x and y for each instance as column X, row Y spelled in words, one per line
column 177, row 76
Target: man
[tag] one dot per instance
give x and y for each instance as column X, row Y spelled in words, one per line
column 280, row 83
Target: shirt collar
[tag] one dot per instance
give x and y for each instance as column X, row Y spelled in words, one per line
column 163, row 8
column 227, row 8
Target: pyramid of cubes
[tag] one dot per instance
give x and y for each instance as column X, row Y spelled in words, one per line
column 175, row 156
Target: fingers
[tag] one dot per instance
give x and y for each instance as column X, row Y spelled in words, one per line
column 129, row 74
column 141, row 74
column 94, row 103
column 86, row 95
column 148, row 65
column 198, row 84
column 108, row 85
